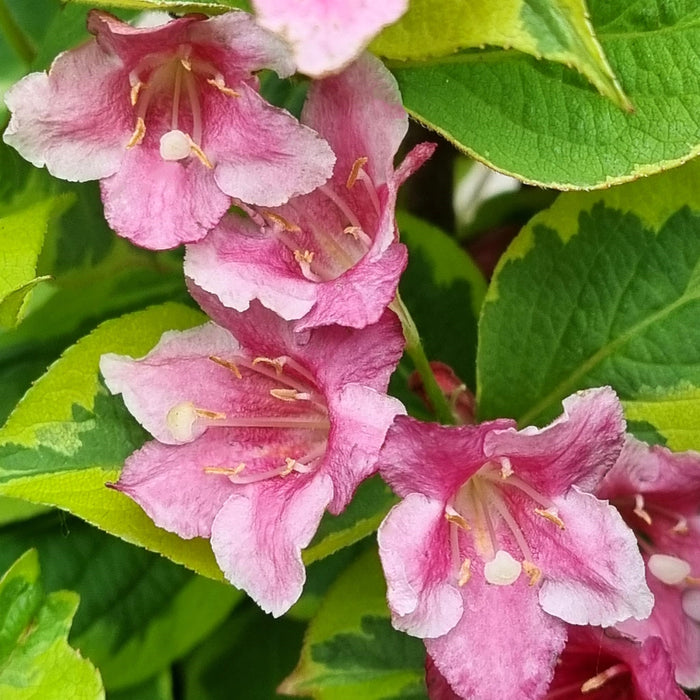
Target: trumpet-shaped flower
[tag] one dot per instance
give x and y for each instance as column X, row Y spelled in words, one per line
column 170, row 120
column 325, row 36
column 330, row 256
column 603, row 664
column 658, row 494
column 257, row 431
column 497, row 543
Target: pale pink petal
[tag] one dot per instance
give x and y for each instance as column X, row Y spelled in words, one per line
column 418, row 568
column 327, row 35
column 433, row 459
column 361, row 417
column 669, row 479
column 359, row 296
column 578, row 448
column 365, row 97
column 335, row 355
column 504, row 646
column 160, row 204
column 77, row 119
column 249, row 47
column 262, row 155
column 592, row 572
column 680, row 634
column 238, row 263
column 178, row 369
column 259, row 533
column 170, row 483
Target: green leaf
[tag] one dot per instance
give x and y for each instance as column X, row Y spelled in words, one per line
column 139, row 612
column 245, row 659
column 558, row 30
column 67, row 438
column 602, row 288
column 444, row 290
column 351, row 650
column 547, row 126
column 361, row 518
column 21, row 240
column 35, row 659
column 175, row 6
column 159, row 687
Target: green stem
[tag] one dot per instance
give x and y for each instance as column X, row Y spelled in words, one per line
column 16, row 38
column 415, row 351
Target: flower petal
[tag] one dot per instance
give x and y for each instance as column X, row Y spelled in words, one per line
column 361, row 418
column 177, row 369
column 434, row 459
column 504, row 646
column 593, row 573
column 325, row 36
column 170, row 484
column 160, row 204
column 366, row 96
column 417, row 566
column 262, row 155
column 578, row 448
column 259, row 533
column 77, row 119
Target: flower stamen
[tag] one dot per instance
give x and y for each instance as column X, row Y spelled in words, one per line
column 601, row 679
column 228, row 365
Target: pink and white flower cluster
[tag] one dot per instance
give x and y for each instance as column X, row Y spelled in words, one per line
column 535, row 563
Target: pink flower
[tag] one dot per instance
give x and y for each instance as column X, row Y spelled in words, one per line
column 170, row 120
column 325, row 36
column 658, row 494
column 497, row 543
column 597, row 663
column 330, row 256
column 257, row 431
column 603, row 664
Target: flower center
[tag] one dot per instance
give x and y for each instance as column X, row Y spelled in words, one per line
column 479, row 515
column 329, row 246
column 644, row 517
column 165, row 92
column 280, row 395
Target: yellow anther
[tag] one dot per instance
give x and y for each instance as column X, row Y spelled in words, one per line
column 276, row 363
column 465, row 572
column 135, row 90
column 506, row 466
column 353, row 231
column 139, row 133
column 201, row 155
column 285, row 394
column 211, row 415
column 602, row 678
column 221, row 87
column 307, row 256
column 681, row 527
column 639, row 509
column 227, row 364
column 551, row 516
column 291, row 463
column 284, row 223
column 692, row 580
column 186, row 63
column 458, row 520
column 228, row 471
column 534, row 574
column 355, row 171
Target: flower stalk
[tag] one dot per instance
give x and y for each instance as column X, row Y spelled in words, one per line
column 416, row 352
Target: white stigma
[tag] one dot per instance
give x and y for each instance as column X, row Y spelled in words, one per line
column 691, row 604
column 669, row 570
column 174, row 145
column 502, row 570
column 180, row 421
